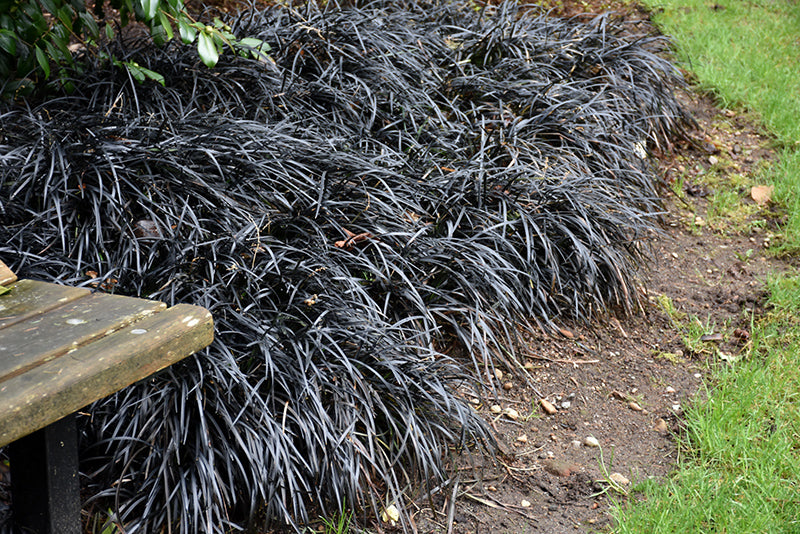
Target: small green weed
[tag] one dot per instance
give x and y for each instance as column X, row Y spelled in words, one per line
column 691, row 329
column 338, row 524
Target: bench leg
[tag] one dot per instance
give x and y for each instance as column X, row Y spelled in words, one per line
column 45, row 489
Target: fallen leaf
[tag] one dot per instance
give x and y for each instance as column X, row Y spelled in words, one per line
column 391, row 515
column 761, row 194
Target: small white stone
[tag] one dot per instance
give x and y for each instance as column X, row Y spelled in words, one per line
column 669, row 389
column 511, row 413
column 496, row 408
column 591, row 441
column 525, row 503
column 566, row 404
column 575, row 444
column 698, row 375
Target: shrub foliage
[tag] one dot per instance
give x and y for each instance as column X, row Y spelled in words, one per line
column 399, row 179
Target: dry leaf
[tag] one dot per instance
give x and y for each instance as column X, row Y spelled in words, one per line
column 761, row 193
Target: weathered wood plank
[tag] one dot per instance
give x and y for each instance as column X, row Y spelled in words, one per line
column 42, row 395
column 7, row 276
column 27, row 344
column 28, row 298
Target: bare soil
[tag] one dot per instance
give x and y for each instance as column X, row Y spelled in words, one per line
column 626, row 381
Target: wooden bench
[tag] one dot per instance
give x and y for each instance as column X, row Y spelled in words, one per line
column 62, row 348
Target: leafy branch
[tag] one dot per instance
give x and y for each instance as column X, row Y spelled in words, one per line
column 41, row 38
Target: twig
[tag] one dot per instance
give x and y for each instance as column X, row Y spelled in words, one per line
column 497, row 505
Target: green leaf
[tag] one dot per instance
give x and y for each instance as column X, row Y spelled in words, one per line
column 50, row 6
column 42, row 60
column 109, row 31
column 252, row 42
column 150, row 8
column 162, row 18
column 140, row 73
column 4, row 290
column 153, row 75
column 207, row 49
column 135, row 70
column 158, row 34
column 254, row 47
column 8, row 42
column 188, row 32
column 65, row 15
column 90, row 24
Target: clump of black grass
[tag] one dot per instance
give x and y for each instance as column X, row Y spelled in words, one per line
column 400, row 178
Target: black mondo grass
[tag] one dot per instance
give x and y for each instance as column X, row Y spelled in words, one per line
column 399, row 178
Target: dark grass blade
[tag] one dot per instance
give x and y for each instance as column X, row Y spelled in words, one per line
column 403, row 177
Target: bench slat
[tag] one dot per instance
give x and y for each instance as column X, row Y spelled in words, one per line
column 28, row 298
column 26, row 344
column 44, row 394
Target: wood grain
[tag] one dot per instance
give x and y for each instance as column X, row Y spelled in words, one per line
column 46, row 393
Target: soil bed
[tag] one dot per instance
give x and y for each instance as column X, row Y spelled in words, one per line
column 547, row 479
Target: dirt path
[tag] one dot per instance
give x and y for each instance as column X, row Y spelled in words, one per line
column 626, row 382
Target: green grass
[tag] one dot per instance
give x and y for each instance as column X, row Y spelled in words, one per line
column 740, row 453
column 747, row 53
column 740, row 467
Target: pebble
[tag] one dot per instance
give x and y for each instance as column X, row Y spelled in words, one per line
column 522, row 438
column 498, row 373
column 491, row 488
column 713, row 160
column 528, row 366
column 511, row 413
column 575, row 444
column 525, row 503
column 634, row 406
column 619, row 478
column 507, row 386
column 669, row 389
column 548, row 407
column 591, row 441
column 566, row 404
column 661, row 426
column 559, row 468
column 496, row 408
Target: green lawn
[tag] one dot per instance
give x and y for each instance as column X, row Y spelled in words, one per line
column 740, row 465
